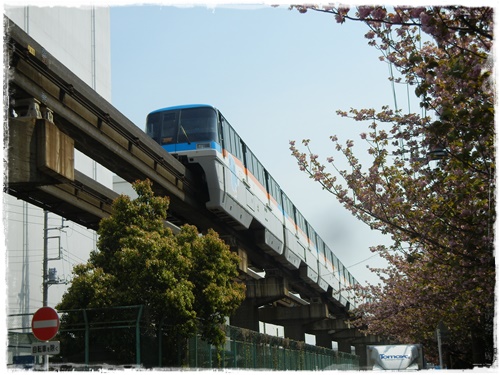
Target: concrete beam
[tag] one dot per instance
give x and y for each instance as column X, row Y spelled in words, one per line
column 354, row 336
column 340, row 330
column 328, row 325
column 267, row 290
column 22, row 154
column 368, row 340
column 298, row 314
column 55, row 151
column 259, row 293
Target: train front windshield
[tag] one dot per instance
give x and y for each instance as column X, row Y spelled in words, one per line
column 183, row 126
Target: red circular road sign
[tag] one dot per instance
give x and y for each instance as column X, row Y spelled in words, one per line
column 45, row 323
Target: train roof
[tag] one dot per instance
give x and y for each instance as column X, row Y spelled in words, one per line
column 183, row 106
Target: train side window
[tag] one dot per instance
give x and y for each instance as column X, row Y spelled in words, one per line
column 300, row 221
column 236, row 144
column 287, row 206
column 336, row 268
column 346, row 275
column 273, row 188
column 350, row 279
column 226, row 138
column 259, row 172
column 277, row 194
column 220, row 129
column 353, row 281
column 311, row 233
column 153, row 127
column 245, row 156
column 320, row 246
column 249, row 159
column 329, row 254
column 231, row 141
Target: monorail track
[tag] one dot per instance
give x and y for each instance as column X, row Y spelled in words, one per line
column 97, row 128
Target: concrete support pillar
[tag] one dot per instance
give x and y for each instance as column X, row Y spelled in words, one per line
column 344, row 346
column 295, row 332
column 247, row 316
column 295, row 319
column 259, row 292
column 363, row 357
column 324, row 340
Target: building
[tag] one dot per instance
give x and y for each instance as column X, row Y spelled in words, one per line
column 80, row 39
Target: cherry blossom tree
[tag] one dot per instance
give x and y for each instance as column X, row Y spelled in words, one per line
column 431, row 182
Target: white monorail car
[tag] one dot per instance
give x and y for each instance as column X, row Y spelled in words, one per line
column 242, row 192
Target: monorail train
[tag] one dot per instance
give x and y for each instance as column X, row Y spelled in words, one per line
column 244, row 194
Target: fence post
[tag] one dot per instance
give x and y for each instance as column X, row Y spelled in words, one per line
column 234, row 350
column 196, row 350
column 138, row 337
column 87, row 338
column 160, row 342
column 254, row 345
column 210, row 356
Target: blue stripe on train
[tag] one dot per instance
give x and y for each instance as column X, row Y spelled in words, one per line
column 179, row 147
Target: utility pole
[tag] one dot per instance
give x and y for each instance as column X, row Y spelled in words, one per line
column 45, row 290
column 49, row 275
column 45, row 258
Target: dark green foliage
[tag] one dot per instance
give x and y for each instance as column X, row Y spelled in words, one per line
column 183, row 279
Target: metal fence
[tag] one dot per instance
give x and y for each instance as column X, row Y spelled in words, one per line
column 245, row 349
column 123, row 337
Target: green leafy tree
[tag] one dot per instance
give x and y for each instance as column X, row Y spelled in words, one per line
column 213, row 273
column 430, row 185
column 183, row 280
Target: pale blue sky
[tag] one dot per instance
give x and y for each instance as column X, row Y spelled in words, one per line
column 276, row 75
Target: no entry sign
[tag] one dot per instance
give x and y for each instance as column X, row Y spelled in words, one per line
column 45, row 323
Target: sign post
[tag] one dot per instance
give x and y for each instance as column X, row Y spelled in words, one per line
column 44, row 325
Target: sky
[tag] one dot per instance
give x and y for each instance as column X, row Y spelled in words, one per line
column 276, row 75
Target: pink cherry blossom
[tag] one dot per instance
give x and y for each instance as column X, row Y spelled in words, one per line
column 431, row 182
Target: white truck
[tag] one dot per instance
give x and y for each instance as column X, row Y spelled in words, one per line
column 395, row 357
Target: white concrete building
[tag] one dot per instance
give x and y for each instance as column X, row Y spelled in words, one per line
column 80, row 39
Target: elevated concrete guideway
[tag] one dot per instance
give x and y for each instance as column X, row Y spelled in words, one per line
column 52, row 113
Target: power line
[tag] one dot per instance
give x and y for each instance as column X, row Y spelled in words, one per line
column 362, row 261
